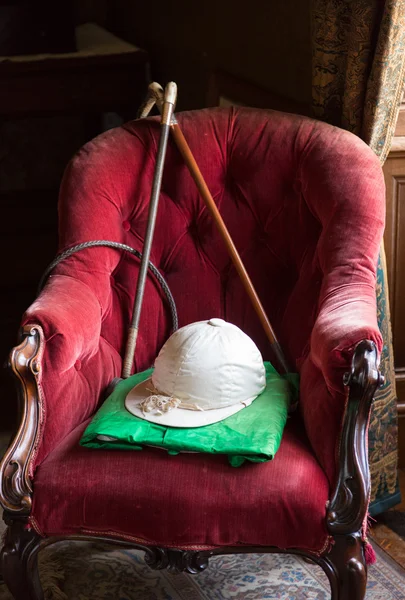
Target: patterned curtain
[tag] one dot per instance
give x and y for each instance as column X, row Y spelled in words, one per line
column 358, row 72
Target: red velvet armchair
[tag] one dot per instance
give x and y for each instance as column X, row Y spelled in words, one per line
column 304, row 202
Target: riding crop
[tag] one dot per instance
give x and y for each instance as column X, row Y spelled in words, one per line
column 168, row 102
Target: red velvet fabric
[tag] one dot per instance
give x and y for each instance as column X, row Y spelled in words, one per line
column 304, row 202
column 188, row 501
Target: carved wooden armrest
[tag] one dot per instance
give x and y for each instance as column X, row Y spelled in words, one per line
column 15, row 481
column 348, row 505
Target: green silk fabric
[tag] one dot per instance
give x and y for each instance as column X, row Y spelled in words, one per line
column 252, row 434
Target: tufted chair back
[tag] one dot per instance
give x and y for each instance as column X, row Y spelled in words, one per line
column 290, row 190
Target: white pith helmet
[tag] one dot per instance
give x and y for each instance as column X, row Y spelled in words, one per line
column 204, row 373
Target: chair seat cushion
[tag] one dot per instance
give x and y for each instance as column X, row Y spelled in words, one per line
column 186, row 501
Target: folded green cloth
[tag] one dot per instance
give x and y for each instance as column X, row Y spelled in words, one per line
column 253, row 433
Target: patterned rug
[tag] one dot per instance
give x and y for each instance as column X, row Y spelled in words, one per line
column 84, row 571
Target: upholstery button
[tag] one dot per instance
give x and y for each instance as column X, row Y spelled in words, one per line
column 217, row 322
column 126, row 225
column 78, row 365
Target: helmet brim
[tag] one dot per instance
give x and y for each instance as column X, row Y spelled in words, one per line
column 178, row 417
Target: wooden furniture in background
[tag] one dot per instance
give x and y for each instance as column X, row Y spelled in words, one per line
column 225, row 89
column 105, row 75
column 394, row 239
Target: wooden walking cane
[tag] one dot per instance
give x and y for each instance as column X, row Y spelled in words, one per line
column 156, row 92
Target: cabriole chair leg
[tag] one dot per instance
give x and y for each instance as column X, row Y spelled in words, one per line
column 346, row 568
column 18, row 561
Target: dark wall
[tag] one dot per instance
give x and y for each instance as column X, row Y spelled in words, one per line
column 265, row 42
column 34, row 153
column 92, row 11
column 48, row 110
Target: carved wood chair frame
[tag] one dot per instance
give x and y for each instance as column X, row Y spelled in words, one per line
column 344, row 565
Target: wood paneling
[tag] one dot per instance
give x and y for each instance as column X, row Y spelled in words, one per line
column 400, row 128
column 401, row 446
column 394, row 239
column 394, row 172
column 395, row 243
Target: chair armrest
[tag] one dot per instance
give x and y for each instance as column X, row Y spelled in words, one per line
column 62, row 366
column 347, row 316
column 347, row 510
column 67, row 309
column 15, row 482
column 337, row 427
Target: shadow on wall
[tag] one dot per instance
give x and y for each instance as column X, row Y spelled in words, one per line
column 265, row 43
